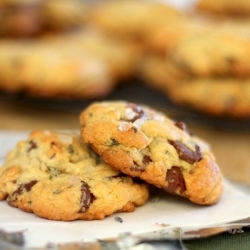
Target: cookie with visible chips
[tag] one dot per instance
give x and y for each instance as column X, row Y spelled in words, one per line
column 142, row 142
column 58, row 177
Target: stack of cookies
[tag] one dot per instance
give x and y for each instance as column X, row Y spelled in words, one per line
column 48, row 50
column 191, row 57
column 203, row 64
column 122, row 150
column 74, row 49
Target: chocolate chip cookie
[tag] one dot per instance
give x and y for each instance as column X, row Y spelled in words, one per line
column 58, row 177
column 205, row 53
column 230, row 94
column 143, row 142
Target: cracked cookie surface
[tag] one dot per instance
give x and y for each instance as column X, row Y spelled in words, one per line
column 58, row 177
column 143, row 142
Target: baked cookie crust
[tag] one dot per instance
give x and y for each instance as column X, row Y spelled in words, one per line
column 58, row 177
column 144, row 143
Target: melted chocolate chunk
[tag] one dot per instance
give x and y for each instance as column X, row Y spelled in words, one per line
column 24, row 188
column 140, row 168
column 33, row 145
column 138, row 110
column 187, row 154
column 181, row 126
column 135, row 129
column 87, row 197
column 175, row 180
column 146, row 160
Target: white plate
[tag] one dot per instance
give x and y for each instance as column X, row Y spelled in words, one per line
column 162, row 209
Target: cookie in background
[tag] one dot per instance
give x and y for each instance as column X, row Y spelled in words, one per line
column 85, row 64
column 28, row 18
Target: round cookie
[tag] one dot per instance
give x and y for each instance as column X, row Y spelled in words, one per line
column 85, row 64
column 47, row 70
column 142, row 142
column 205, row 53
column 230, row 94
column 58, row 177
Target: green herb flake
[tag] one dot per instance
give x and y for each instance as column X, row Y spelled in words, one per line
column 53, row 172
column 114, row 142
column 71, row 149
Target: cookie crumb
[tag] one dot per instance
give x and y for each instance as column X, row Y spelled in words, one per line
column 119, row 219
column 162, row 224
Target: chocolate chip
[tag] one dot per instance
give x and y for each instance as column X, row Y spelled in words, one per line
column 24, row 188
column 87, row 197
column 181, row 126
column 135, row 129
column 33, row 145
column 138, row 110
column 175, row 180
column 146, row 160
column 29, row 185
column 140, row 168
column 114, row 142
column 187, row 154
